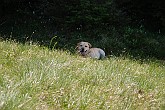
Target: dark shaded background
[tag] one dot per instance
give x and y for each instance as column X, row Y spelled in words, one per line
column 120, row 27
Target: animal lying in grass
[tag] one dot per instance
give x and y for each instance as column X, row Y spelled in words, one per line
column 85, row 49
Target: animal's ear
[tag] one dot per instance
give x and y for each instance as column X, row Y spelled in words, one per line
column 89, row 45
column 77, row 45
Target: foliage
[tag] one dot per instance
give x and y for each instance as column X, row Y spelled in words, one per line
column 149, row 13
column 118, row 26
column 90, row 14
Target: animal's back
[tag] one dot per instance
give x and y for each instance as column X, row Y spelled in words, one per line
column 102, row 53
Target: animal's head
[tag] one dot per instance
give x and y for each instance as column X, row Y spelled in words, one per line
column 83, row 47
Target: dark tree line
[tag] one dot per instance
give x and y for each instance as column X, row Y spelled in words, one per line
column 150, row 13
column 89, row 13
column 135, row 25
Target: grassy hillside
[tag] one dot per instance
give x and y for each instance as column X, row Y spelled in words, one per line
column 34, row 77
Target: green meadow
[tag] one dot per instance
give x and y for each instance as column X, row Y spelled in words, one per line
column 34, row 77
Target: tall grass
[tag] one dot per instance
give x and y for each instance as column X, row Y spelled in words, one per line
column 34, row 77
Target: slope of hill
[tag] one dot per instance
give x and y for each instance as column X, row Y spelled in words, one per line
column 34, row 77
